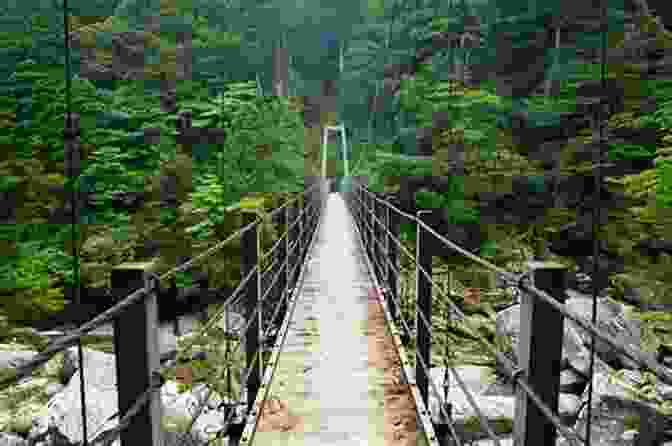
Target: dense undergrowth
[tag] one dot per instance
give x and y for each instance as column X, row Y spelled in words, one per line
column 263, row 154
column 476, row 112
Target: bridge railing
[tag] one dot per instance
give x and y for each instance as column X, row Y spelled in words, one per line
column 135, row 319
column 537, row 375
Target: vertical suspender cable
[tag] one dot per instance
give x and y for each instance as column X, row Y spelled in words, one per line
column 74, row 182
column 596, row 212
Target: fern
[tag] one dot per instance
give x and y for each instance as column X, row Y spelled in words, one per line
column 651, row 182
column 629, row 152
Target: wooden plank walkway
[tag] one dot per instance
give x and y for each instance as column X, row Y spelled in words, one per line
column 323, row 371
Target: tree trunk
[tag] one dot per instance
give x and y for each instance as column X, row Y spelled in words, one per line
column 280, row 70
column 552, row 84
column 325, row 106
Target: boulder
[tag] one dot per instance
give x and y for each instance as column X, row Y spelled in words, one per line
column 572, row 381
column 574, row 352
column 508, row 441
column 63, row 411
column 11, row 440
column 11, row 356
column 611, row 320
column 496, row 401
column 664, row 391
column 493, row 407
column 664, row 355
column 613, row 411
column 52, row 389
column 180, row 439
column 183, row 406
column 568, row 407
column 51, row 369
column 91, row 358
column 170, row 438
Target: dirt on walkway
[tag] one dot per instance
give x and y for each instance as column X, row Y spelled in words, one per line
column 399, row 407
column 276, row 417
column 400, row 428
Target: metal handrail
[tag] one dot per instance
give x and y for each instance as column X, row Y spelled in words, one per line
column 511, row 370
column 10, row 377
column 642, row 358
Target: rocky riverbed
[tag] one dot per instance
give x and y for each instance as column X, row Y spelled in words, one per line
column 49, row 401
column 621, row 392
column 44, row 410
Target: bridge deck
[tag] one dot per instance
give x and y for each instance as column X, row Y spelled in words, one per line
column 323, row 371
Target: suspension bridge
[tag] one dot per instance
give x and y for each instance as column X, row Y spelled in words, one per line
column 337, row 249
column 338, row 255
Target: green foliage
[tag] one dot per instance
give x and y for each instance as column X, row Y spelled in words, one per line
column 28, row 275
column 407, row 232
column 664, row 185
column 453, row 203
column 630, row 152
column 42, row 121
column 415, row 97
column 661, row 118
column 253, row 122
column 212, row 195
column 488, row 249
column 264, row 152
column 224, row 357
column 459, row 213
column 384, row 167
column 645, row 390
column 206, row 37
column 172, row 423
column 13, row 414
column 631, row 422
column 429, row 200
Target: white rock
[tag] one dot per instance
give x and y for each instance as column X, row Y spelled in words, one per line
column 568, row 405
column 11, row 356
column 187, row 403
column 11, row 440
column 573, row 349
column 53, row 388
column 610, row 320
column 665, row 391
column 489, row 442
column 208, row 424
column 64, row 410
